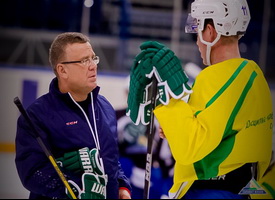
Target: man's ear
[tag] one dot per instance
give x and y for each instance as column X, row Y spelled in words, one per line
column 61, row 71
column 212, row 33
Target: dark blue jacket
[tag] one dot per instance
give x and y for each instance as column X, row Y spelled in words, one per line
column 64, row 128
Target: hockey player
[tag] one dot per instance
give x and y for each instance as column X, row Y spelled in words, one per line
column 225, row 128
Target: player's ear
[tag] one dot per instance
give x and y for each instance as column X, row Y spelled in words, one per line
column 210, row 33
column 61, row 70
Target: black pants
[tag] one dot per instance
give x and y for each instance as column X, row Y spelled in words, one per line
column 232, row 183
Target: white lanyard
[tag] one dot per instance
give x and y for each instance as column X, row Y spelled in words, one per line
column 94, row 132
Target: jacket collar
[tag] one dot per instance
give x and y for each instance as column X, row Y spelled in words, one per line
column 55, row 90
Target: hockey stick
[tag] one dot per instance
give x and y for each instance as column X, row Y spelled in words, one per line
column 150, row 140
column 35, row 134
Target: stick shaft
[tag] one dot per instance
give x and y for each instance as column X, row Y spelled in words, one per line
column 35, row 133
column 150, row 140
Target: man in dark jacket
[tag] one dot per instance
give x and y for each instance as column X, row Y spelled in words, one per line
column 77, row 124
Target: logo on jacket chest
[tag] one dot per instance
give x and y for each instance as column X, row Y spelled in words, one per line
column 71, row 123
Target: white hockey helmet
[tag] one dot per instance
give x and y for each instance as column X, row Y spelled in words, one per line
column 230, row 17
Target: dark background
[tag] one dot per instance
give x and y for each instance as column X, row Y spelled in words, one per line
column 53, row 16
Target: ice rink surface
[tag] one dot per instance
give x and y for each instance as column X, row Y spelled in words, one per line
column 10, row 185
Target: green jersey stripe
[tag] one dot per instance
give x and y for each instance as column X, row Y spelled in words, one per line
column 226, row 85
column 218, row 155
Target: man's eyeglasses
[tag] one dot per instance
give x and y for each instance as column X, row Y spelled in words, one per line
column 86, row 62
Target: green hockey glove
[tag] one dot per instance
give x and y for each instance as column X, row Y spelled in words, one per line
column 151, row 44
column 140, row 112
column 154, row 59
column 93, row 187
column 170, row 75
column 137, row 96
column 76, row 161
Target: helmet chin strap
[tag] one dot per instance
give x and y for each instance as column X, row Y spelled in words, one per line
column 209, row 45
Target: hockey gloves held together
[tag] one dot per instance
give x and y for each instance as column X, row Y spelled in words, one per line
column 155, row 59
column 87, row 163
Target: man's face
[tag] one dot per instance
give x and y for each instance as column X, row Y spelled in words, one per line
column 81, row 76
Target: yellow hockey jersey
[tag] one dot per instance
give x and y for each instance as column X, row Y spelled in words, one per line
column 226, row 123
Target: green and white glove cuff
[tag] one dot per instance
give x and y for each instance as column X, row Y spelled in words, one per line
column 96, row 162
column 75, row 188
column 143, row 114
column 93, row 187
column 164, row 91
